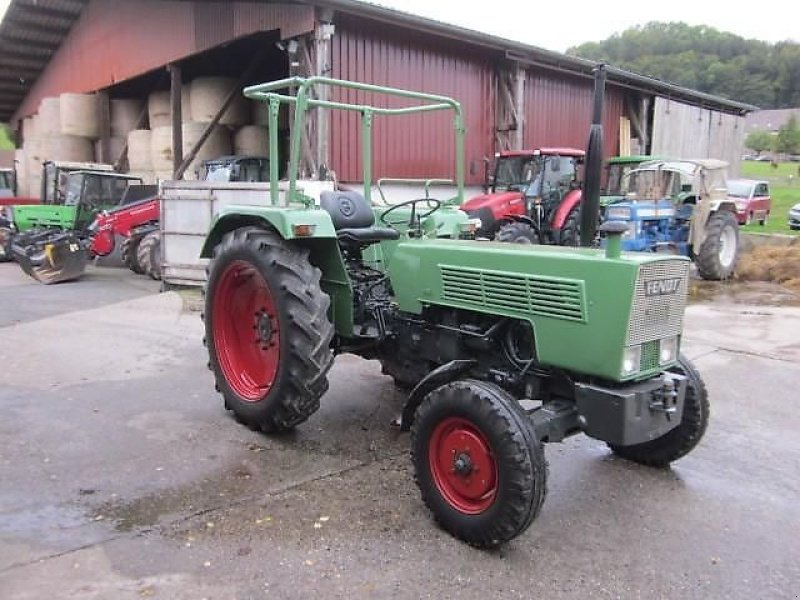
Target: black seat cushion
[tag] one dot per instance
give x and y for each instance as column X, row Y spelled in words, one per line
column 367, row 235
column 353, row 218
column 348, row 209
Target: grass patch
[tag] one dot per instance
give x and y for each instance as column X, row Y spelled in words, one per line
column 784, row 184
column 6, row 143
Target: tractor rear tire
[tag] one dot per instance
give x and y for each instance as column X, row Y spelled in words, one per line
column 571, row 231
column 267, row 329
column 149, row 254
column 477, row 461
column 129, row 252
column 716, row 259
column 6, row 233
column 681, row 440
column 517, row 233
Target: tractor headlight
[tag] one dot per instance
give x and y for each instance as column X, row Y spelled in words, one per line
column 618, row 213
column 631, row 358
column 668, row 350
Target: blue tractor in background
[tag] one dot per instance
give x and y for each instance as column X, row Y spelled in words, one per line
column 680, row 207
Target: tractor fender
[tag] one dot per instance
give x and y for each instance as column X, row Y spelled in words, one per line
column 519, row 219
column 283, row 220
column 439, row 376
column 570, row 201
column 718, row 205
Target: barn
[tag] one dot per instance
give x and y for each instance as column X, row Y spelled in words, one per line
column 189, row 58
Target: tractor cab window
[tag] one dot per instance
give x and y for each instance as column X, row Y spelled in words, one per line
column 559, row 174
column 617, row 179
column 6, row 180
column 114, row 189
column 515, row 172
column 72, row 188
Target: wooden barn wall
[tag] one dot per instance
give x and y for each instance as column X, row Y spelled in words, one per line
column 684, row 131
column 558, row 111
column 116, row 40
column 413, row 146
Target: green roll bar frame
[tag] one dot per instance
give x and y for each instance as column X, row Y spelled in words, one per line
column 302, row 100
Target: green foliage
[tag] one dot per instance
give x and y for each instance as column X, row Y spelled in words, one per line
column 6, row 143
column 788, row 140
column 759, row 140
column 706, row 59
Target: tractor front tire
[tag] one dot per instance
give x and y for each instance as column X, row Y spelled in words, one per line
column 681, row 440
column 716, row 259
column 517, row 233
column 148, row 254
column 477, row 461
column 129, row 252
column 267, row 329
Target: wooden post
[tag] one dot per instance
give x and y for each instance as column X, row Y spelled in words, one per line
column 323, row 33
column 104, row 156
column 176, row 91
column 519, row 107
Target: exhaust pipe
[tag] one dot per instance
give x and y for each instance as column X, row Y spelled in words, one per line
column 590, row 204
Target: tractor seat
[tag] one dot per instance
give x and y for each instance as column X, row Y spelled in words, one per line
column 353, row 219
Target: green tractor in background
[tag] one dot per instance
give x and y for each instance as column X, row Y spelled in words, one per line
column 50, row 240
column 617, row 168
column 502, row 346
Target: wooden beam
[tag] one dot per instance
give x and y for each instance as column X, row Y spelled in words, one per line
column 176, row 91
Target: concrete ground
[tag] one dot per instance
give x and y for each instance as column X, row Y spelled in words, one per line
column 122, row 477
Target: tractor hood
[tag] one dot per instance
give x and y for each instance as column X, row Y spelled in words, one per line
column 498, row 202
column 550, row 287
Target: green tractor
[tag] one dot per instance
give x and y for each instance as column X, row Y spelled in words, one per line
column 503, row 346
column 50, row 241
column 616, row 170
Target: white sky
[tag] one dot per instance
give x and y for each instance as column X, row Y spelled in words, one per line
column 559, row 25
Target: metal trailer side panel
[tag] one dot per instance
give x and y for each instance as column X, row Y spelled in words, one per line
column 188, row 209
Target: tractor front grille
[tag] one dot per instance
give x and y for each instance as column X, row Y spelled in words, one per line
column 659, row 301
column 651, row 356
column 554, row 297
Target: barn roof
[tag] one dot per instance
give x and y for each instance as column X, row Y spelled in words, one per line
column 32, row 31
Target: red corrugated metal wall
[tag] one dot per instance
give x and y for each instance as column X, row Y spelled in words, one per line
column 115, row 40
column 558, row 111
column 415, row 145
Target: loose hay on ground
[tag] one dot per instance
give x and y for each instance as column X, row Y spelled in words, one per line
column 772, row 263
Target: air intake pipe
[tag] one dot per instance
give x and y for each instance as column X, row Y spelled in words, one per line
column 590, row 209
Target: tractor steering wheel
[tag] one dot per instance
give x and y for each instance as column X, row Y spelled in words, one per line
column 414, row 219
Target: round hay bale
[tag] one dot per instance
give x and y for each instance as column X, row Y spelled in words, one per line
column 217, row 144
column 72, row 148
column 124, row 115
column 80, row 115
column 161, row 148
column 159, row 108
column 49, row 121
column 251, row 140
column 30, row 128
column 148, row 177
column 260, row 115
column 208, row 94
column 140, row 151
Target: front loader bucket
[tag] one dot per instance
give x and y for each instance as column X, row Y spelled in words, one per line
column 56, row 258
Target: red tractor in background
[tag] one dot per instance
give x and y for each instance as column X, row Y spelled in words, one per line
column 137, row 223
column 532, row 197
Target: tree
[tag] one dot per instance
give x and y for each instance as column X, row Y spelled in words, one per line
column 705, row 59
column 759, row 140
column 788, row 141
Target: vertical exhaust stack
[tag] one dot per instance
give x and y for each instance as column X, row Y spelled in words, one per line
column 590, row 210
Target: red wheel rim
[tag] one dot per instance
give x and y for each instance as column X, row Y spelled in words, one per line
column 462, row 465
column 246, row 331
